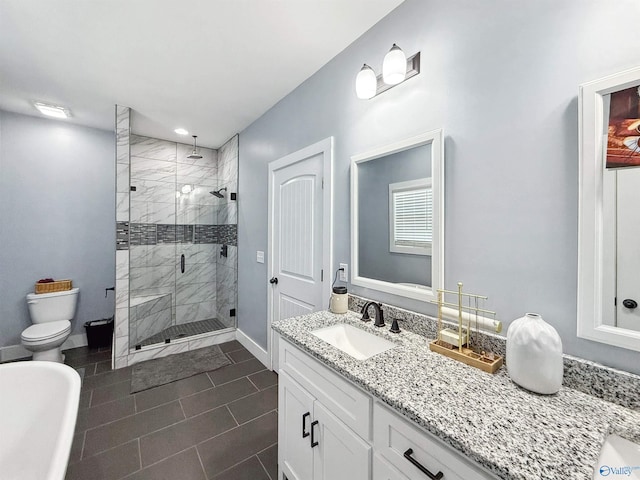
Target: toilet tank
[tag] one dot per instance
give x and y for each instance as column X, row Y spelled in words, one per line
column 52, row 307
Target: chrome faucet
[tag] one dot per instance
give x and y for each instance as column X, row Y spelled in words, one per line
column 379, row 315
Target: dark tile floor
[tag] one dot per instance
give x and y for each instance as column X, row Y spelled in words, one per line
column 220, row 425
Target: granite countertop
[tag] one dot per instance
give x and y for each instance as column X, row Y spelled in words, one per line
column 508, row 430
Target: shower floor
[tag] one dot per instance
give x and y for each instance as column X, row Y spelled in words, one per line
column 184, row 330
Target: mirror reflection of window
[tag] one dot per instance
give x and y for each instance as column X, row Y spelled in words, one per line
column 375, row 224
column 411, row 217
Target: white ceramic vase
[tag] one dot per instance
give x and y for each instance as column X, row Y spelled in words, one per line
column 534, row 354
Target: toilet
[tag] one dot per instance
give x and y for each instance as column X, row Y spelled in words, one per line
column 51, row 315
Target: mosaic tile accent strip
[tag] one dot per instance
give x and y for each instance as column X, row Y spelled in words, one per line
column 206, row 234
column 122, row 235
column 228, row 234
column 515, row 434
column 168, row 233
column 185, row 233
column 616, row 386
column 143, row 234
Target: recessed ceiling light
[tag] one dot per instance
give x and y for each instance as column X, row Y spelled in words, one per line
column 52, row 110
column 181, row 131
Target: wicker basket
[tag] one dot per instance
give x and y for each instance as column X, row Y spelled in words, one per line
column 51, row 287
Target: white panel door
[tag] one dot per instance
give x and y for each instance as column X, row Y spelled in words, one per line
column 297, row 238
column 628, row 248
column 300, row 235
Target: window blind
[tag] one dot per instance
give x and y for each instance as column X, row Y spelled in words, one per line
column 413, row 217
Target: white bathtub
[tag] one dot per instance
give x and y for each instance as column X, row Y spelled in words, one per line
column 38, row 411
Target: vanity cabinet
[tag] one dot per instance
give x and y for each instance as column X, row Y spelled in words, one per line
column 329, row 429
column 409, row 449
column 316, row 437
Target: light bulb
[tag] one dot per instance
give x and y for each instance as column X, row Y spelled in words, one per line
column 186, row 189
column 366, row 83
column 394, row 66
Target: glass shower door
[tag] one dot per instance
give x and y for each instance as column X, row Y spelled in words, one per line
column 196, row 242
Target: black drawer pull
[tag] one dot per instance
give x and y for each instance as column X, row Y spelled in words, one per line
column 313, row 442
column 419, row 466
column 304, row 424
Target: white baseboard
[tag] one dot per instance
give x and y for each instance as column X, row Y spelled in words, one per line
column 255, row 349
column 14, row 352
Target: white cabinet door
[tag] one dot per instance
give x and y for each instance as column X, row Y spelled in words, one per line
column 337, row 453
column 340, row 454
column 295, row 413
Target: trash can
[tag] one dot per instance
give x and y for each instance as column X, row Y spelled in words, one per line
column 99, row 332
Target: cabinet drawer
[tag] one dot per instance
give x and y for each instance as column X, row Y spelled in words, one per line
column 346, row 401
column 393, row 436
column 382, row 470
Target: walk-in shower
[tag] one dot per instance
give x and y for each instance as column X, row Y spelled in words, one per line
column 179, row 285
column 176, row 245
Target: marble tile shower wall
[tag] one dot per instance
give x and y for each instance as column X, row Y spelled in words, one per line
column 227, row 273
column 121, row 331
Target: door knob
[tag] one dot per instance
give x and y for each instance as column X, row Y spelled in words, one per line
column 629, row 303
column 274, row 280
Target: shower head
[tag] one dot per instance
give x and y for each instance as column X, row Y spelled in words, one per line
column 194, row 154
column 218, row 193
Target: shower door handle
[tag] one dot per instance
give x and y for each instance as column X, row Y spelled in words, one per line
column 182, row 262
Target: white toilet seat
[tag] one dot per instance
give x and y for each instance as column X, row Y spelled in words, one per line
column 46, row 332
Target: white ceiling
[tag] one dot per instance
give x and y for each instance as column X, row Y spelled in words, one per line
column 210, row 66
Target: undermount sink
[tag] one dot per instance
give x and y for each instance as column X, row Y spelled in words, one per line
column 619, row 458
column 353, row 341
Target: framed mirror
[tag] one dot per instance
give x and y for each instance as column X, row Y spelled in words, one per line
column 397, row 213
column 609, row 218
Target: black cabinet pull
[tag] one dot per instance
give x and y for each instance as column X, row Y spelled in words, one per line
column 313, row 442
column 182, row 262
column 419, row 466
column 274, row 280
column 304, row 425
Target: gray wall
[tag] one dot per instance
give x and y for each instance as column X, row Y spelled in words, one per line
column 57, row 213
column 501, row 78
column 374, row 176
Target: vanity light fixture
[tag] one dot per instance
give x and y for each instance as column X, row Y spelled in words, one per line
column 366, row 83
column 181, row 131
column 55, row 111
column 396, row 68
